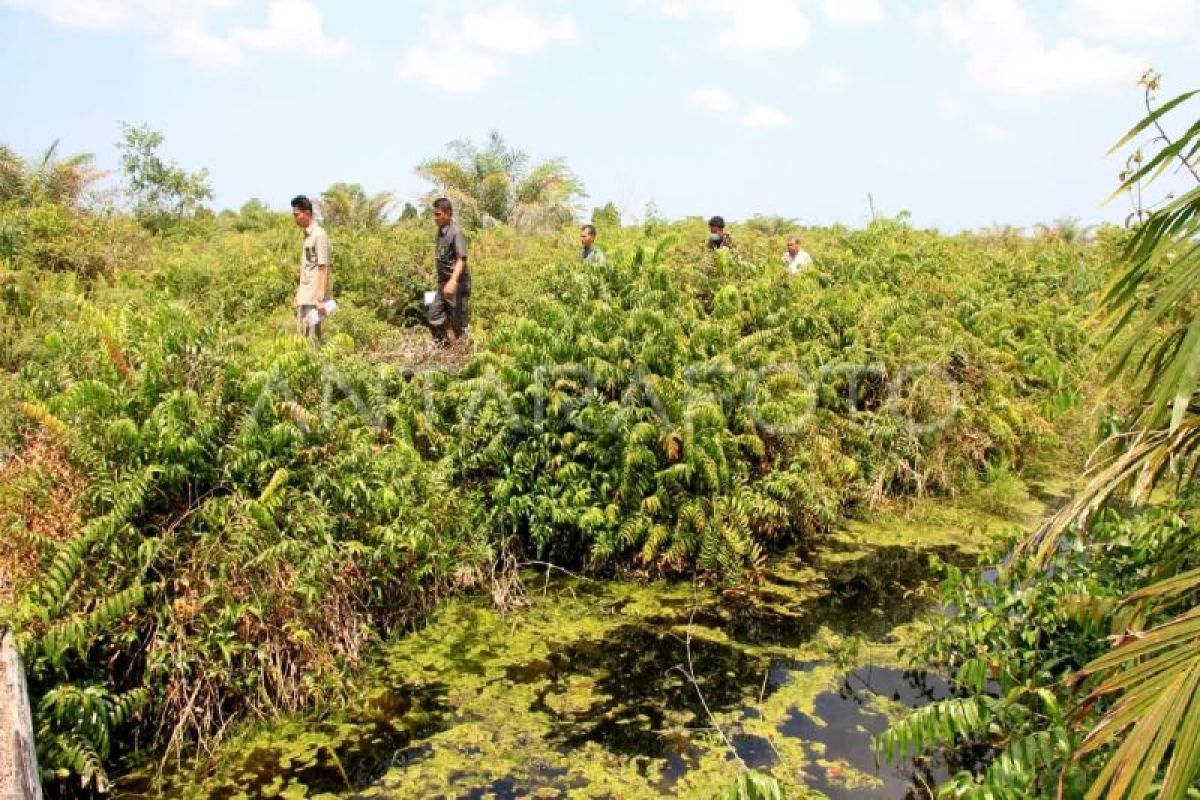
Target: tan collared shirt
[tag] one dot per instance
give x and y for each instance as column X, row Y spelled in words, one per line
column 315, row 254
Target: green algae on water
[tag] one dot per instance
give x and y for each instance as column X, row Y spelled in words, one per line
column 591, row 690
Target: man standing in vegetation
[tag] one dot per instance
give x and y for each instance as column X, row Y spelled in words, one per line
column 448, row 314
column 589, row 254
column 313, row 291
column 796, row 258
column 718, row 239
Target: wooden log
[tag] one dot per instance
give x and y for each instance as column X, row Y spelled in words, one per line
column 18, row 757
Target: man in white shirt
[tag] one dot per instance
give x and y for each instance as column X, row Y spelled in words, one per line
column 795, row 258
column 313, row 290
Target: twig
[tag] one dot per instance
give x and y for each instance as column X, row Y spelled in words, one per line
column 690, row 674
column 550, row 566
column 1167, row 139
column 695, row 684
column 770, row 736
column 507, row 590
column 337, row 762
column 925, row 785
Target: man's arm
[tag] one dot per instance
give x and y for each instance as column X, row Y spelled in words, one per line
column 452, row 283
column 323, row 268
column 458, row 269
column 460, row 247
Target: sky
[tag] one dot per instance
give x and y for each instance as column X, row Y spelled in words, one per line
column 964, row 113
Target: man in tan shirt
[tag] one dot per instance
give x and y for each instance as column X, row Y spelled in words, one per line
column 313, row 291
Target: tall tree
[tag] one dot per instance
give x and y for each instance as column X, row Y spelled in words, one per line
column 255, row 215
column 348, row 205
column 1064, row 229
column 497, row 184
column 607, row 216
column 47, row 178
column 12, row 175
column 162, row 192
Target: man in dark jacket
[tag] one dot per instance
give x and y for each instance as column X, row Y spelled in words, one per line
column 449, row 312
column 718, row 239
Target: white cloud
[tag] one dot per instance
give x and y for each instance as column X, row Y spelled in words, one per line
column 711, row 99
column 994, row 132
column 719, row 100
column 456, row 70
column 291, row 24
column 745, row 24
column 764, row 25
column 101, row 14
column 852, row 12
column 508, row 29
column 467, row 53
column 183, row 27
column 834, row 77
column 1125, row 20
column 1006, row 52
column 766, row 117
column 192, row 42
column 949, row 107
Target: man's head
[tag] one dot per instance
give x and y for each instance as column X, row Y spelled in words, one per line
column 793, row 246
column 302, row 210
column 716, row 231
column 443, row 212
column 587, row 235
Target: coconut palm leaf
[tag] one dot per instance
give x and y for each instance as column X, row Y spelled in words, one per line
column 1153, row 331
column 348, row 205
column 47, row 178
column 1151, row 678
column 1139, row 466
column 12, row 175
column 497, row 184
column 447, row 174
column 1156, row 720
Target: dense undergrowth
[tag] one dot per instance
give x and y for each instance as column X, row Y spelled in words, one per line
column 1018, row 644
column 252, row 513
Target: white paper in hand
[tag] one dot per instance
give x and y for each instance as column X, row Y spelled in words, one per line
column 330, row 306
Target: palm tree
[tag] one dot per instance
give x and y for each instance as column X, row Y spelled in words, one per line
column 1064, row 229
column 47, row 178
column 12, row 175
column 496, row 184
column 1151, row 679
column 1005, row 233
column 348, row 205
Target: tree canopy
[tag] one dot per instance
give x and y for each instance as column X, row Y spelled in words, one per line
column 499, row 184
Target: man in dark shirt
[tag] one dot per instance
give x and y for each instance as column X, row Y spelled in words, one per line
column 448, row 313
column 718, row 239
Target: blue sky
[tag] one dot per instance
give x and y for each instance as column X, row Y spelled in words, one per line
column 964, row 112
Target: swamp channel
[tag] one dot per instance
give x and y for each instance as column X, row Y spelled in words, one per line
column 587, row 691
